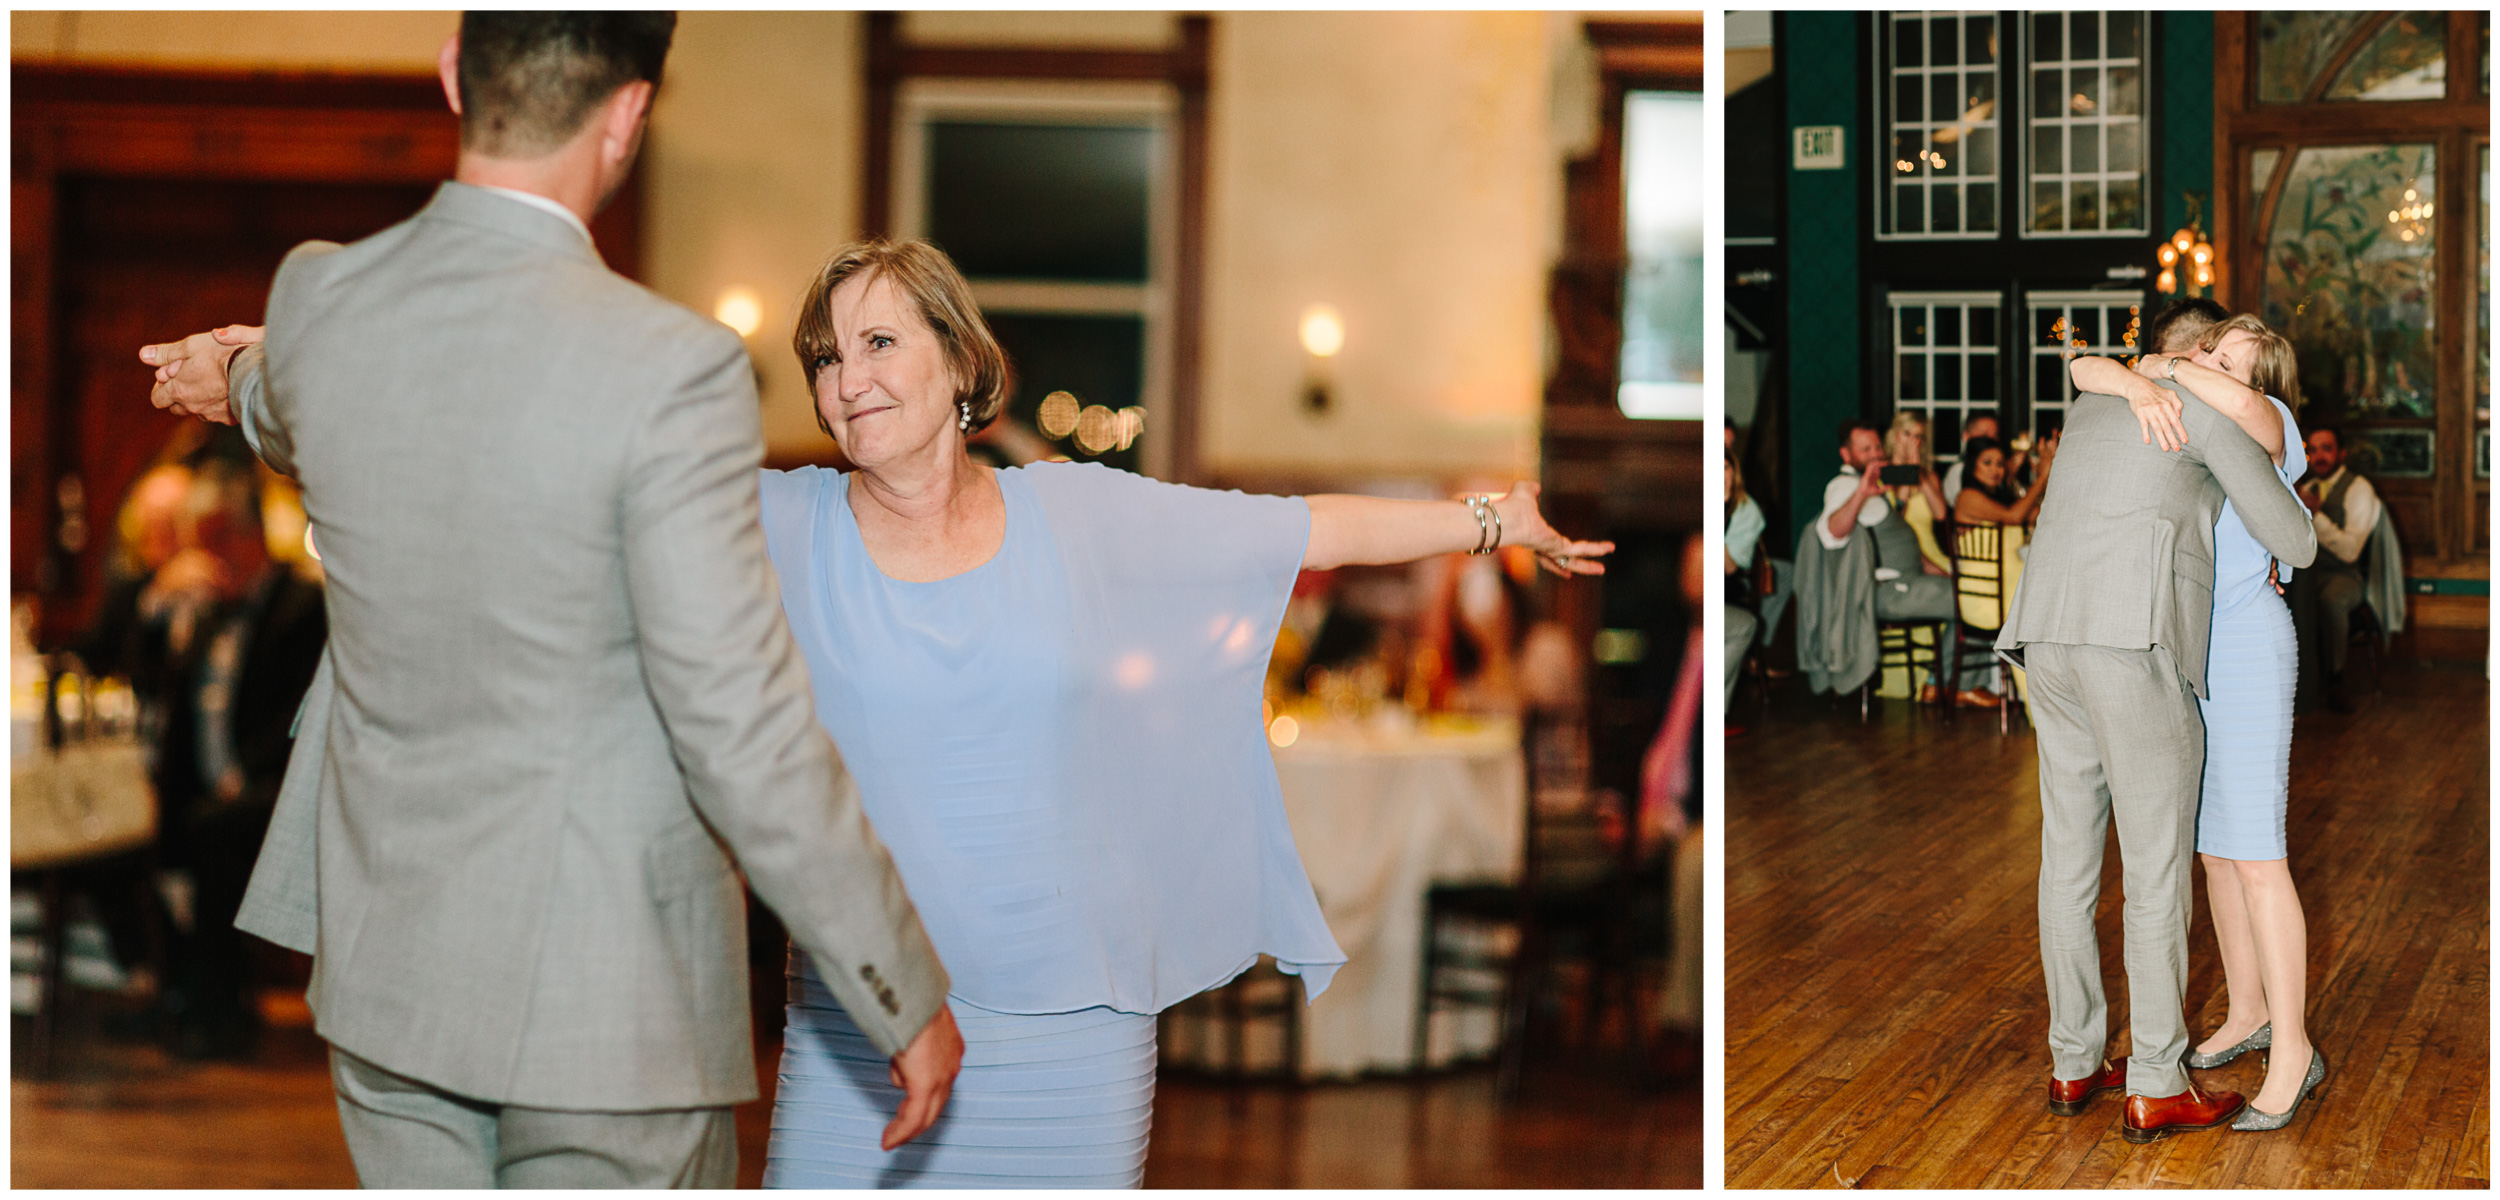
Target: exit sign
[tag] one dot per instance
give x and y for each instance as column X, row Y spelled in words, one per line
column 1818, row 148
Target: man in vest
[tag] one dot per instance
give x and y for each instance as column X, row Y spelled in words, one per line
column 2345, row 509
column 1907, row 586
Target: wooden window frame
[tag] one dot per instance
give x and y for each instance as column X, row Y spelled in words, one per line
column 2458, row 126
column 892, row 62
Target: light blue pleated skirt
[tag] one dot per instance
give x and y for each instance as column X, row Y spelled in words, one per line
column 2248, row 731
column 1057, row 1100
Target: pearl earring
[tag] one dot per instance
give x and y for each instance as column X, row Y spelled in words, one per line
column 963, row 417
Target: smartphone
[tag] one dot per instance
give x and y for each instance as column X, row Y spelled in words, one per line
column 1900, row 476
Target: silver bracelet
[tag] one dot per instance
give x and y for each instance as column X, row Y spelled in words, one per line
column 1488, row 524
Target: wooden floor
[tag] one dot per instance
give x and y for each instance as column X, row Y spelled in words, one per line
column 1886, row 1018
column 122, row 1116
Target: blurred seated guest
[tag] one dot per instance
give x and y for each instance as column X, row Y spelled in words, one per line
column 1671, row 810
column 1744, row 536
column 1922, row 504
column 1974, row 428
column 148, row 536
column 1486, row 609
column 1321, row 631
column 1990, row 497
column 240, row 636
column 2346, row 510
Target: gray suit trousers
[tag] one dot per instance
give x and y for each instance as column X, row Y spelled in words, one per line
column 406, row 1134
column 2119, row 734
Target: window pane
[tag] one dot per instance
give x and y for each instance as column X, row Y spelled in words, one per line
column 1906, row 99
column 1980, row 153
column 1983, row 208
column 2085, row 85
column 2086, row 201
column 1662, row 325
column 1980, row 40
column 2350, row 278
column 1983, row 368
column 2125, row 205
column 2124, row 98
column 1983, row 326
column 2084, row 29
column 2087, row 149
column 2292, row 47
column 1913, row 375
column 1912, row 319
column 2406, row 60
column 1908, row 42
column 2126, row 35
column 2048, row 155
column 2048, row 208
column 2261, row 163
column 2124, row 152
column 1099, row 360
column 1949, row 325
column 2047, row 40
column 1941, row 44
column 1015, row 201
column 1909, row 209
column 2048, row 93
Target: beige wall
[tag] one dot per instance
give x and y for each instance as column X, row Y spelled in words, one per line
column 1399, row 166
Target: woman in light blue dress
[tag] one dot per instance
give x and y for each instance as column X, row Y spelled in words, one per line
column 2240, row 368
column 1046, row 681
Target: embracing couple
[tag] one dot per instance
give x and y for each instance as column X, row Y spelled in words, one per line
column 2161, row 666
column 585, row 660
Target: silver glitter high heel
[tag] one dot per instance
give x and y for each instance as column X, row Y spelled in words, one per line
column 2263, row 1039
column 2256, row 1120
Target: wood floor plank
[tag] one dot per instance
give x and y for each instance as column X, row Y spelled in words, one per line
column 1886, row 1019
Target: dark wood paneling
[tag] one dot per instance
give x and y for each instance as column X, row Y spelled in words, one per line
column 150, row 204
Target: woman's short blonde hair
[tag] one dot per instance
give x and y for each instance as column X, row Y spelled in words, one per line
column 1903, row 421
column 2273, row 368
column 929, row 280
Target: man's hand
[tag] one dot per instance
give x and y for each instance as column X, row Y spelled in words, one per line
column 925, row 1070
column 1871, row 476
column 191, row 373
column 2310, row 499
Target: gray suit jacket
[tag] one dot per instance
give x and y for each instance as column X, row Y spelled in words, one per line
column 2124, row 556
column 1837, row 646
column 560, row 694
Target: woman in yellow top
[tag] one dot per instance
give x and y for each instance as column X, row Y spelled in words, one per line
column 1921, row 504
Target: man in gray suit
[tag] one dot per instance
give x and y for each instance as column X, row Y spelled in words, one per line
column 2112, row 617
column 560, row 694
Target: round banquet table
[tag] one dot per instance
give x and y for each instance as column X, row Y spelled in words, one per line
column 1381, row 811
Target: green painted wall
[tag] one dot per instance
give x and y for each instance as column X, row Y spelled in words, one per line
column 1820, row 69
column 2187, row 116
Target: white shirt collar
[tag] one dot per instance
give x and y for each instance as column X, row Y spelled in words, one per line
column 534, row 200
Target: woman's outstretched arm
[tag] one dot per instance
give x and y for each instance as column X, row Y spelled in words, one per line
column 1368, row 529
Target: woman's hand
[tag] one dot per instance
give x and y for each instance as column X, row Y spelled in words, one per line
column 1523, row 525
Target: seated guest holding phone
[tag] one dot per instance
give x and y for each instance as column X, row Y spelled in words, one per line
column 1922, row 501
column 1907, row 586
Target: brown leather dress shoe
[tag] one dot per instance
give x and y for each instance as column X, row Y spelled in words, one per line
column 2067, row 1097
column 2152, row 1118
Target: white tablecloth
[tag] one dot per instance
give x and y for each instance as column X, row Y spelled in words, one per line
column 1380, row 815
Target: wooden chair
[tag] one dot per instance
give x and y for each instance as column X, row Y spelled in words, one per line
column 1979, row 574
column 1261, row 993
column 1897, row 646
column 1571, row 893
column 1763, row 582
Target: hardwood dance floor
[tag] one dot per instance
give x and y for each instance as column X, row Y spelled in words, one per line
column 123, row 1115
column 1886, row 1018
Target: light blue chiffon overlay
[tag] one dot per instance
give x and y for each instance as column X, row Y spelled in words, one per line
column 1061, row 747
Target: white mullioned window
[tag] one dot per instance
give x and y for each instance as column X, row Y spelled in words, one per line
column 2066, row 324
column 1936, row 84
column 2084, row 162
column 1944, row 361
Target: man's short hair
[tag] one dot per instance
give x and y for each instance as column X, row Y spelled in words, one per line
column 2177, row 327
column 529, row 80
column 1849, row 429
column 2332, row 431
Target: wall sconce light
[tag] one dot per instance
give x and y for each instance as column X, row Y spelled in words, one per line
column 2188, row 261
column 1323, row 335
column 740, row 309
